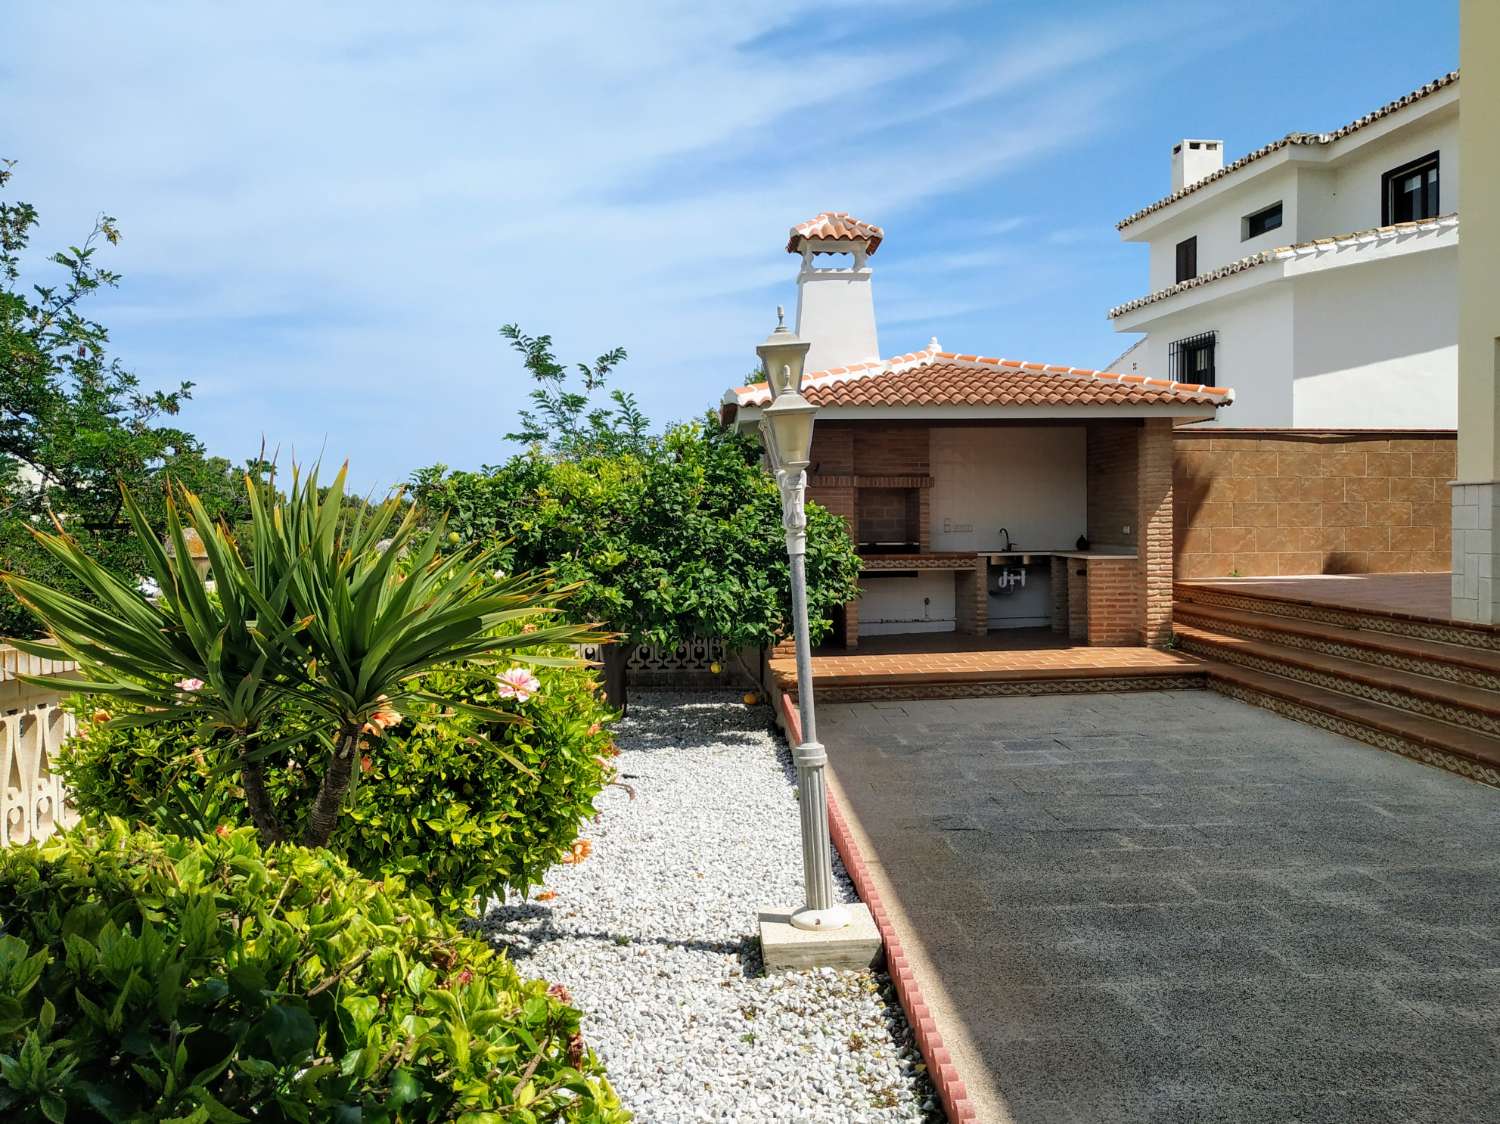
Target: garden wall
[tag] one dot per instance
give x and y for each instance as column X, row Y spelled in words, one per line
column 1257, row 502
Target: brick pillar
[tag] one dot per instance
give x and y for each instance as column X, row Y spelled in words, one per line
column 1114, row 603
column 1154, row 530
column 1059, row 595
column 851, row 625
column 972, row 598
column 1078, row 598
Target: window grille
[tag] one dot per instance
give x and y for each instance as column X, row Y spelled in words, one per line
column 1193, row 359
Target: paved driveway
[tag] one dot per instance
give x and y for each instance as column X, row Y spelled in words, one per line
column 1172, row 906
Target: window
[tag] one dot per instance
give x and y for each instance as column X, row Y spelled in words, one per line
column 1410, row 192
column 1192, row 359
column 1187, row 258
column 1267, row 218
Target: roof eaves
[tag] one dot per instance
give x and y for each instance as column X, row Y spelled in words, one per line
column 1287, row 253
column 1293, row 139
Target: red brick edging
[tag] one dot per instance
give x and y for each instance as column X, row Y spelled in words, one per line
column 940, row 1068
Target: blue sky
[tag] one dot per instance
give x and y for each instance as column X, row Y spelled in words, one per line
column 330, row 209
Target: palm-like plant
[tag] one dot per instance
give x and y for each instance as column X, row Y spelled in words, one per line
column 333, row 613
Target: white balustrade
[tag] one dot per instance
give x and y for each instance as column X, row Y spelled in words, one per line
column 33, row 727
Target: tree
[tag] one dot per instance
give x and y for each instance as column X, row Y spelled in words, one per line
column 561, row 422
column 330, row 614
column 681, row 538
column 74, row 423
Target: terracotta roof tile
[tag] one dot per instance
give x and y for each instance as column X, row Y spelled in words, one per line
column 1293, row 139
column 835, row 226
column 942, row 378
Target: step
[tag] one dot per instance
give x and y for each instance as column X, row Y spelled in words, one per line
column 1475, row 667
column 1450, row 747
column 1394, row 622
column 1437, row 699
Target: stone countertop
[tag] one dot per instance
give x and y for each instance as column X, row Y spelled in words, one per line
column 1088, row 555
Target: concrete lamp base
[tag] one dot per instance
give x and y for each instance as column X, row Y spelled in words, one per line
column 787, row 948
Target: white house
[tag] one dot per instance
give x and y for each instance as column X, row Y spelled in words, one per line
column 1317, row 275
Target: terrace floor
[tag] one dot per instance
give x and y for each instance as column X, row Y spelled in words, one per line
column 1174, row 907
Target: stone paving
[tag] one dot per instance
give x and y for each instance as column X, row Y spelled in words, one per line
column 1174, row 907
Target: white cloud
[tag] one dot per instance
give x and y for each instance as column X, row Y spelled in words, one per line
column 329, row 209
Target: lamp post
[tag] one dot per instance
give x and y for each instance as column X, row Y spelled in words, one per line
column 787, row 425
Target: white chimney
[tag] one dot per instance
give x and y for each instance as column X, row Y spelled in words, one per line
column 835, row 304
column 1193, row 160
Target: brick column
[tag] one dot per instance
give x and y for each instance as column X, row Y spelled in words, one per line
column 972, row 598
column 1059, row 595
column 1114, row 612
column 1154, row 530
column 1078, row 598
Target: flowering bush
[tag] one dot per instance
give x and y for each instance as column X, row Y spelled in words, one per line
column 462, row 806
column 147, row 977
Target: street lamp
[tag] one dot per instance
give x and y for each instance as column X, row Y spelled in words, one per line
column 787, row 425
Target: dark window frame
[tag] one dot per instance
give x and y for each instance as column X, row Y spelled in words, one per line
column 1248, row 224
column 1431, row 197
column 1187, row 260
column 1184, row 357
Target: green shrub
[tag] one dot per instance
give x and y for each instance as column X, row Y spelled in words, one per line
column 154, row 978
column 439, row 798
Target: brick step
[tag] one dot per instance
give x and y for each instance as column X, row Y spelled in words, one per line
column 1424, row 695
column 1457, row 663
column 1459, row 750
column 1393, row 621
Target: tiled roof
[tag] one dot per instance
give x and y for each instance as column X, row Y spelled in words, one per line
column 1297, row 250
column 1295, row 138
column 835, row 226
column 942, row 378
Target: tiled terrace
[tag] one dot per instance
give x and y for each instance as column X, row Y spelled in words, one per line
column 954, row 665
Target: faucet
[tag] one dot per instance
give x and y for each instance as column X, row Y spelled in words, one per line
column 1008, row 545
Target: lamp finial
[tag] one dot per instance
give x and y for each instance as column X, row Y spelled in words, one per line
column 780, row 317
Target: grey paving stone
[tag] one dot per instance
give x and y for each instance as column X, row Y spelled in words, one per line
column 1174, row 907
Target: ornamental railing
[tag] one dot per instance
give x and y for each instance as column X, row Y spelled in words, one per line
column 33, row 727
column 688, row 665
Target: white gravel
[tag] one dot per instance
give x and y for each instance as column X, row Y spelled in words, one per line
column 654, row 936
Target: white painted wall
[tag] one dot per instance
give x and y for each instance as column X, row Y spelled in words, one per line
column 1376, row 345
column 1031, row 480
column 1323, row 190
column 924, row 602
column 1254, row 354
column 836, row 311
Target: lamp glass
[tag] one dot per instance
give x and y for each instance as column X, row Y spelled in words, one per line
column 790, row 420
column 781, row 359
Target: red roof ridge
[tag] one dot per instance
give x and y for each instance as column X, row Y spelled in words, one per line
column 835, row 226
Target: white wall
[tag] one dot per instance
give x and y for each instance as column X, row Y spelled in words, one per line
column 1253, row 355
column 1376, row 344
column 836, row 315
column 924, row 602
column 1320, row 197
column 1031, row 480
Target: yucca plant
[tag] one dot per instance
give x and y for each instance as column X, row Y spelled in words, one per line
column 331, row 612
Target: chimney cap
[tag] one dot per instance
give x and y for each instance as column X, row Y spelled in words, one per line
column 835, row 226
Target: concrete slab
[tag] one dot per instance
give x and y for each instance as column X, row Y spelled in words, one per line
column 1175, row 907
column 786, row 948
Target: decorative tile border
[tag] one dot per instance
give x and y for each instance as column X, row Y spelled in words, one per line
column 1452, row 762
column 1397, row 661
column 1409, row 701
column 918, row 688
column 1419, row 628
column 940, row 1068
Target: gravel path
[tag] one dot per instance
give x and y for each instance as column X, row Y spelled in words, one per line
column 654, row 935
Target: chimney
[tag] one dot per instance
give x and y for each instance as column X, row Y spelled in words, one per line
column 835, row 305
column 1193, row 160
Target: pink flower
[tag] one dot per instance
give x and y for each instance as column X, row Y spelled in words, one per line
column 518, row 684
column 189, row 684
column 384, row 718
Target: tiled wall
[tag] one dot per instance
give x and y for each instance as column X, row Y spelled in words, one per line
column 1262, row 502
